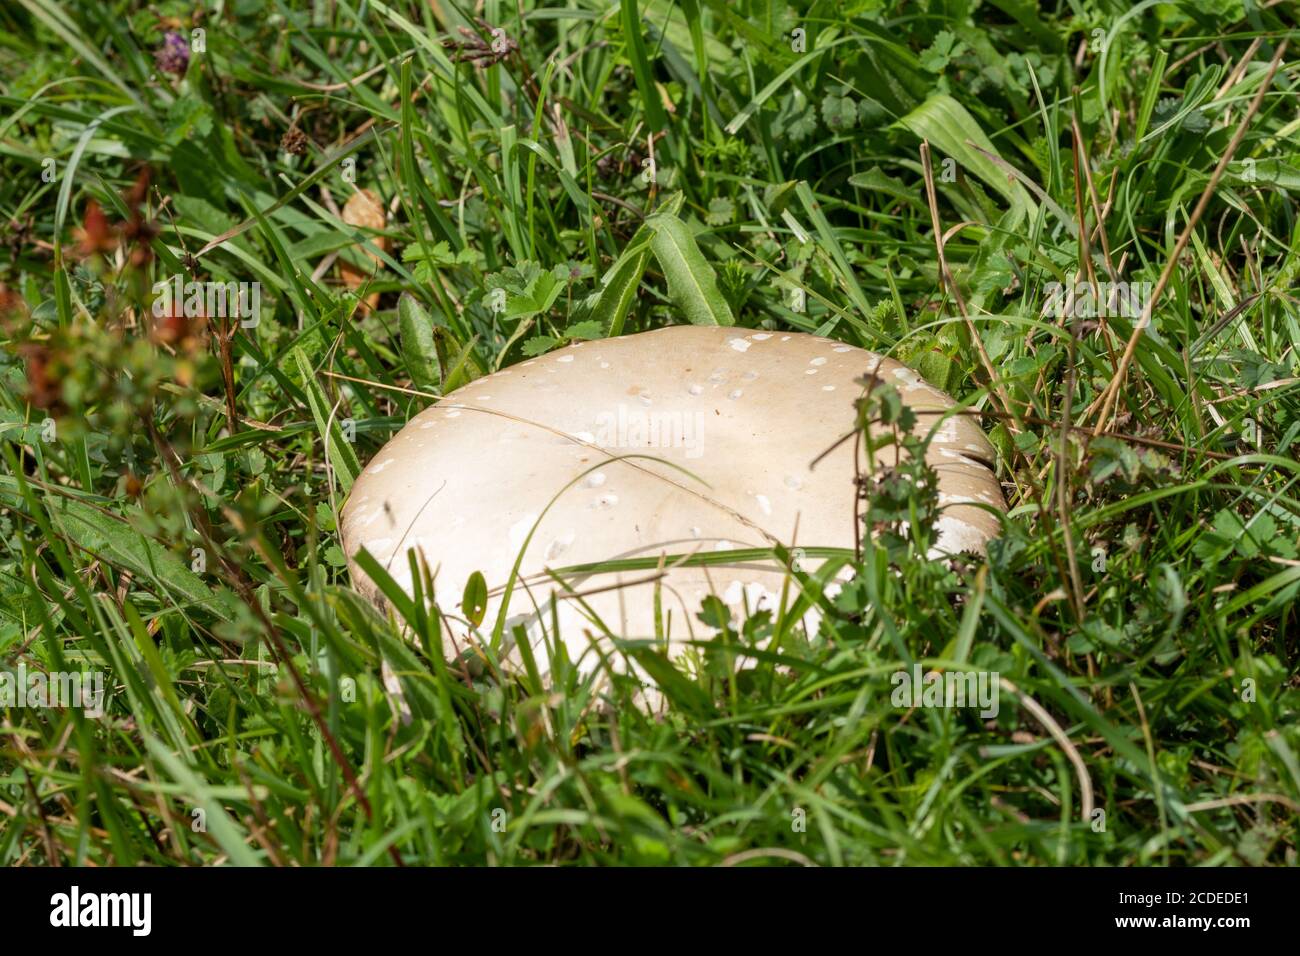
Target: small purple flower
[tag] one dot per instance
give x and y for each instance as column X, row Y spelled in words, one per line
column 174, row 55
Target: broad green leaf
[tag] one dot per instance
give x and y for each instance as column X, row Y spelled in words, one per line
column 111, row 538
column 944, row 122
column 474, row 602
column 692, row 285
column 463, row 368
column 418, row 348
column 877, row 180
column 619, row 285
column 1264, row 173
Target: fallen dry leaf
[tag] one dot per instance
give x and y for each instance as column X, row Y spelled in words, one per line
column 366, row 210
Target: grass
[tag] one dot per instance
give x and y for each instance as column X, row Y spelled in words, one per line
column 171, row 490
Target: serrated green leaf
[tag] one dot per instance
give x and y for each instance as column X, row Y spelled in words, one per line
column 589, row 329
column 539, row 345
column 536, row 299
column 721, row 212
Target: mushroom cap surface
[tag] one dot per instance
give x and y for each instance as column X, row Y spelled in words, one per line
column 683, row 440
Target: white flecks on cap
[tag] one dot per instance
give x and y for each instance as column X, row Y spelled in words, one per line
column 519, row 532
column 560, row 545
column 379, row 547
column 751, row 595
column 946, row 433
column 956, row 536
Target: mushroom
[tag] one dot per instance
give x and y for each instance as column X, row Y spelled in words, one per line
column 682, row 441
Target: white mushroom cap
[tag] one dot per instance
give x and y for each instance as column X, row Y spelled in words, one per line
column 683, row 440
